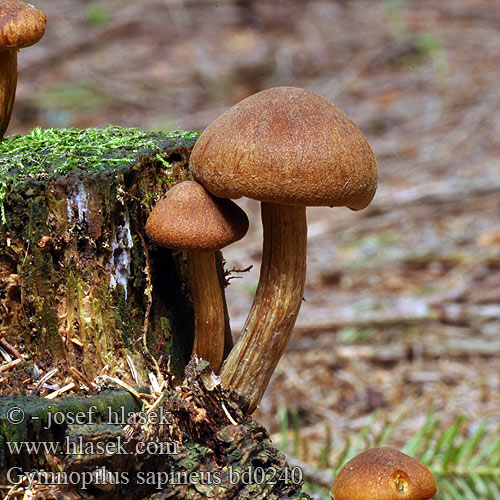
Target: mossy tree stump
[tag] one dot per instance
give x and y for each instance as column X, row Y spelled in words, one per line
column 79, row 287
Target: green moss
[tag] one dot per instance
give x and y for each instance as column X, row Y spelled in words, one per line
column 44, row 153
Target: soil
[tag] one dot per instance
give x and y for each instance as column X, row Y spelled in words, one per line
column 401, row 309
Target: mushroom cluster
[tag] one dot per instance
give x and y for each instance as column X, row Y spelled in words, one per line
column 21, row 25
column 288, row 148
column 189, row 218
column 383, row 474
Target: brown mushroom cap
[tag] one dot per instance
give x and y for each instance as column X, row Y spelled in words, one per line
column 383, row 474
column 21, row 24
column 289, row 146
column 190, row 218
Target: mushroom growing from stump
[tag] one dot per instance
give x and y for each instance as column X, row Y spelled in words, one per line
column 21, row 25
column 383, row 474
column 288, row 148
column 189, row 218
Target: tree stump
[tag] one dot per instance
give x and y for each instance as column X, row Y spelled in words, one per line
column 80, row 285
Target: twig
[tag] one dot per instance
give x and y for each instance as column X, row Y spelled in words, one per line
column 228, row 415
column 80, row 376
column 228, row 274
column 77, row 341
column 17, row 490
column 60, row 391
column 409, row 313
column 9, row 366
column 128, row 387
column 11, row 349
column 398, row 351
column 155, row 404
column 133, row 369
column 154, row 383
column 436, row 193
column 6, row 356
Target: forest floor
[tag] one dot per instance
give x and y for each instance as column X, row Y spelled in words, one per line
column 402, row 300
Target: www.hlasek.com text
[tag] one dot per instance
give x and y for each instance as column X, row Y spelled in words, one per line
column 78, row 446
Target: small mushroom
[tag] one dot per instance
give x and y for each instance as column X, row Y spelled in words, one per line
column 288, row 148
column 189, row 218
column 383, row 474
column 21, row 25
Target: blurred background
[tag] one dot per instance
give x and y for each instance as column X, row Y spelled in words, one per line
column 402, row 301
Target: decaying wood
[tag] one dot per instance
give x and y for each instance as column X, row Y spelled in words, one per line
column 80, row 288
column 211, row 449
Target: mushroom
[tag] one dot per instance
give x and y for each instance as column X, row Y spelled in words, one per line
column 383, row 474
column 189, row 218
column 288, row 148
column 21, row 25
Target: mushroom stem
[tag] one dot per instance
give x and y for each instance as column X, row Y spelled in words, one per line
column 269, row 325
column 208, row 307
column 8, row 82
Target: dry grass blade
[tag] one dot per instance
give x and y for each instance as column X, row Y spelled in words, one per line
column 8, row 366
column 44, row 379
column 62, row 390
